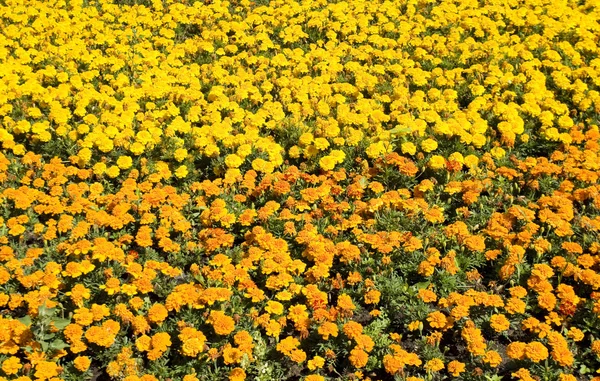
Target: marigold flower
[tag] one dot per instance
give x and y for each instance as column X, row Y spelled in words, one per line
column 11, row 365
column 437, row 319
column 536, row 351
column 455, row 368
column 222, row 324
column 237, row 374
column 82, row 363
column 434, row 365
column 499, row 322
column 358, row 358
column 157, row 313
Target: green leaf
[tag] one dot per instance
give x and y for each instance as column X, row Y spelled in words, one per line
column 400, row 130
column 421, row 285
column 60, row 323
column 25, row 320
column 58, row 344
column 45, row 311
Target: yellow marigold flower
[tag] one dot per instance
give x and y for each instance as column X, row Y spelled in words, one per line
column 124, row 162
column 576, row 334
column 136, row 148
column 99, row 169
column 413, row 326
column 233, row 161
column 321, row 144
column 498, row 152
column 274, row 308
column 11, row 365
column 566, row 377
column 298, row 356
column 180, row 154
column 547, row 301
column 181, row 172
column 232, row 355
column 429, row 145
column 523, row 374
column 479, row 140
column 352, row 329
column 437, row 162
column 427, row 295
column 113, row 171
column 377, row 149
column 434, row 365
column 317, row 362
column 408, row 148
column 471, row 161
column 45, row 370
column 327, row 163
column 328, row 329
column 372, row 297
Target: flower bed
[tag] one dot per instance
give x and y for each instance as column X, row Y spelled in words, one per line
column 315, row 190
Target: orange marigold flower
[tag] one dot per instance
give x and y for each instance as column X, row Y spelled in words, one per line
column 499, row 323
column 345, row 303
column 516, row 350
column 455, row 368
column 492, row 358
column 427, row 295
column 222, row 324
column 82, row 363
column 352, row 329
column 437, row 319
column 237, row 374
column 536, row 351
column 547, row 301
column 192, row 341
column 328, row 329
column 358, row 358
column 157, row 313
column 232, row 355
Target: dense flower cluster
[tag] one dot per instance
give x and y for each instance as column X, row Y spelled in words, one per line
column 307, row 190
